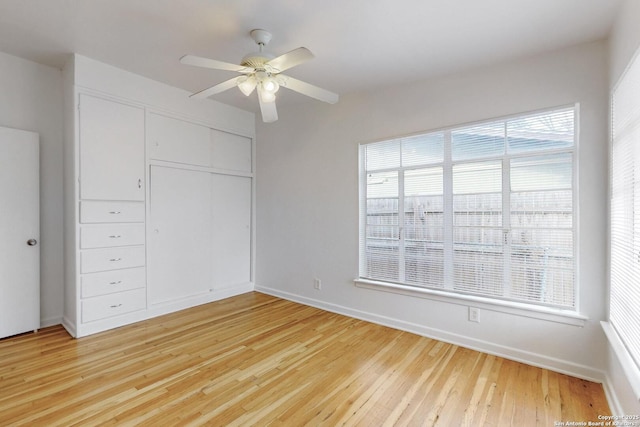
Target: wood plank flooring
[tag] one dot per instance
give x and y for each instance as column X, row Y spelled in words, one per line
column 259, row 360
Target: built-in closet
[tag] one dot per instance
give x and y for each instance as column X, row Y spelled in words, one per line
column 158, row 202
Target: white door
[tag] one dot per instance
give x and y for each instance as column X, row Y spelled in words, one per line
column 20, row 232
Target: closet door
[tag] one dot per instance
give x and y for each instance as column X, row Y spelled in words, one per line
column 231, row 230
column 179, row 247
column 111, row 150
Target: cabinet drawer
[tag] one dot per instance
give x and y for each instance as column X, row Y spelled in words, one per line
column 108, row 235
column 109, row 282
column 94, row 260
column 107, row 211
column 113, row 305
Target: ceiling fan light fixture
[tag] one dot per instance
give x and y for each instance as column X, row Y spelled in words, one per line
column 270, row 85
column 266, row 96
column 247, row 84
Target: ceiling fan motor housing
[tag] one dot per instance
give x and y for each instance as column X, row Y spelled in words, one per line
column 256, row 59
column 262, row 37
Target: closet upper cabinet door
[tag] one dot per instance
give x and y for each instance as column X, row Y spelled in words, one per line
column 174, row 140
column 231, row 152
column 111, row 150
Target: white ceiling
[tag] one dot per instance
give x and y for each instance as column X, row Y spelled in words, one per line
column 358, row 44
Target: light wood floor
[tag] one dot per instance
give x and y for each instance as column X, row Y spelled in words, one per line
column 259, row 360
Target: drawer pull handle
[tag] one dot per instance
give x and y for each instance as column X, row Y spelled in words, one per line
column 115, row 212
column 115, row 236
column 115, row 283
column 116, row 305
column 115, row 259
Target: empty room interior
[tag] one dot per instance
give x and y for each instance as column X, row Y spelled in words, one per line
column 221, row 212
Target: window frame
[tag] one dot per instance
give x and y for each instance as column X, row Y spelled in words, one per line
column 565, row 315
column 618, row 335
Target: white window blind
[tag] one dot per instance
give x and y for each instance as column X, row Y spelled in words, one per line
column 486, row 209
column 624, row 297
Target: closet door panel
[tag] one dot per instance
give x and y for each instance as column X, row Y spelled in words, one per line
column 231, row 230
column 111, row 150
column 179, row 243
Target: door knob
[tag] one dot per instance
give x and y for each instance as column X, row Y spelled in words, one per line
column 32, row 242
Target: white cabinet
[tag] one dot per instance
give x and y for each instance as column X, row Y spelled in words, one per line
column 158, row 200
column 112, row 208
column 109, row 253
column 111, row 150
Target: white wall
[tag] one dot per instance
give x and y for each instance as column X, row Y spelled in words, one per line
column 307, row 200
column 624, row 41
column 31, row 99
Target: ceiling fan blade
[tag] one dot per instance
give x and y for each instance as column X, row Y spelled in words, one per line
column 198, row 61
column 268, row 109
column 217, row 88
column 308, row 89
column 290, row 59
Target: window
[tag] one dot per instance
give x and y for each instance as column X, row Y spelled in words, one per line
column 484, row 210
column 624, row 297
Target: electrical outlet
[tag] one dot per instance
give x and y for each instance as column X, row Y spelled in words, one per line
column 474, row 314
column 317, row 284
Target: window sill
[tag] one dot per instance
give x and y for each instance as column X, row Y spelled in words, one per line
column 519, row 309
column 628, row 365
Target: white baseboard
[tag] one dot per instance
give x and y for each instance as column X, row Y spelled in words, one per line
column 527, row 357
column 50, row 321
column 69, row 326
column 612, row 397
column 155, row 310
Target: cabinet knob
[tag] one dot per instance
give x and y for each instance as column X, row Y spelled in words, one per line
column 32, row 242
column 139, row 183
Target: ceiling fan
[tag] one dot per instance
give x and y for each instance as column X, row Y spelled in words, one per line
column 261, row 71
